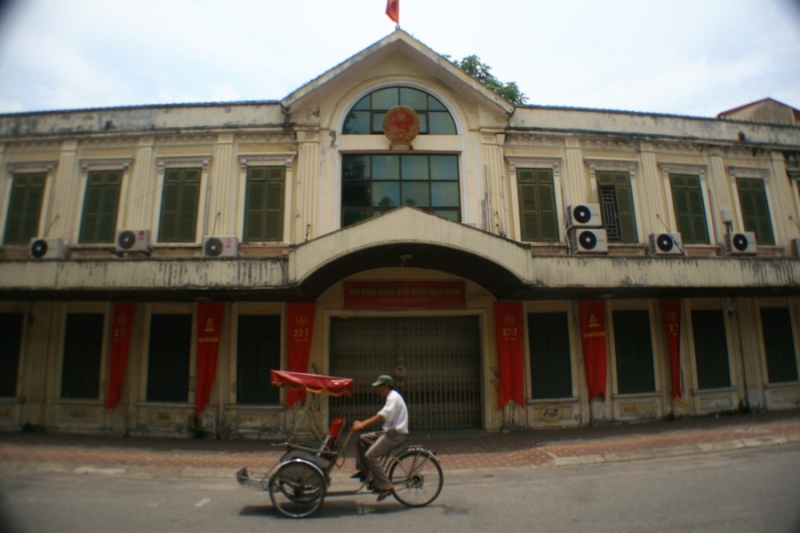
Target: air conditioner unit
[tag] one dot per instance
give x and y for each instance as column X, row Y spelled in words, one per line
column 133, row 240
column 796, row 246
column 48, row 248
column 584, row 216
column 588, row 241
column 223, row 246
column 741, row 243
column 666, row 244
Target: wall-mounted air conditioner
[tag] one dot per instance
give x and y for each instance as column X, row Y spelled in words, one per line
column 222, row 246
column 666, row 244
column 741, row 243
column 48, row 248
column 133, row 240
column 584, row 216
column 588, row 241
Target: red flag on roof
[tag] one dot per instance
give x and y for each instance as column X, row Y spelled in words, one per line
column 393, row 10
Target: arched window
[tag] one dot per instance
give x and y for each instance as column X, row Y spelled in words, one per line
column 366, row 117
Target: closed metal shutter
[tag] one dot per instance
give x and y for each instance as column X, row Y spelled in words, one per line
column 435, row 362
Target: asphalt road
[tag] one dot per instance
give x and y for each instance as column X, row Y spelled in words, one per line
column 750, row 490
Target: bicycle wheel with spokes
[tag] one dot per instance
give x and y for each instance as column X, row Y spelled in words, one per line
column 417, row 478
column 297, row 489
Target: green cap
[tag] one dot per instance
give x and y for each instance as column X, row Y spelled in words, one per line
column 383, row 380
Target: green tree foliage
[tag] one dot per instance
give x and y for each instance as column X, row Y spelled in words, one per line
column 479, row 70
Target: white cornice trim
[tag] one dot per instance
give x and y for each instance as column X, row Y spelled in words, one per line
column 183, row 161
column 532, row 161
column 271, row 159
column 682, row 168
column 626, row 165
column 108, row 163
column 31, row 166
column 748, row 172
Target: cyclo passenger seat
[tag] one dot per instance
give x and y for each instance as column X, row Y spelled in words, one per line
column 334, row 430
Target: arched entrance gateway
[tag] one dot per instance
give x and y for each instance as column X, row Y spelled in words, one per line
column 421, row 311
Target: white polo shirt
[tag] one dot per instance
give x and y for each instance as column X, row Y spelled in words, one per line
column 395, row 413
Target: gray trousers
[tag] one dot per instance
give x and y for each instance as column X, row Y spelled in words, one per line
column 372, row 447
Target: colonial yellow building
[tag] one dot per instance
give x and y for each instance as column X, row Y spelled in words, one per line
column 676, row 237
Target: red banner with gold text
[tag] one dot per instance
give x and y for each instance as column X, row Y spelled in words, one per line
column 209, row 328
column 122, row 323
column 300, row 323
column 593, row 333
column 671, row 314
column 510, row 352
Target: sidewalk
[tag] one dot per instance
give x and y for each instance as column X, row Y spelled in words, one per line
column 461, row 450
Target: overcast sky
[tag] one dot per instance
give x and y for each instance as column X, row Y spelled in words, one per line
column 687, row 57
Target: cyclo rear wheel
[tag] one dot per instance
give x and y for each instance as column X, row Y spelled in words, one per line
column 417, row 478
column 297, row 489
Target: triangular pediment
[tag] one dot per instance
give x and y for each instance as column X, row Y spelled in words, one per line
column 434, row 64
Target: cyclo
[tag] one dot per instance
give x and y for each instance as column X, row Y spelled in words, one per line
column 300, row 481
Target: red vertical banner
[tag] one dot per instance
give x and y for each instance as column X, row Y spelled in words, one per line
column 209, row 329
column 593, row 333
column 393, row 10
column 671, row 314
column 300, row 324
column 122, row 323
column 510, row 352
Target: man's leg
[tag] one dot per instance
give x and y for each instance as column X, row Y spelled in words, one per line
column 364, row 442
column 374, row 455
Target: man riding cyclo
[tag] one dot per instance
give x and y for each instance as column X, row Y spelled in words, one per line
column 374, row 445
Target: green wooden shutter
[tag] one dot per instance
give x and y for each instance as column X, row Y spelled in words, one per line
column 551, row 371
column 179, row 204
column 11, row 335
column 711, row 349
column 690, row 212
column 83, row 347
column 755, row 209
column 634, row 351
column 776, row 325
column 537, row 205
column 99, row 220
column 24, row 208
column 264, row 204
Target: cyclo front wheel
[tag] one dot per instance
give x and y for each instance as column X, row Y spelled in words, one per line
column 297, row 489
column 417, row 478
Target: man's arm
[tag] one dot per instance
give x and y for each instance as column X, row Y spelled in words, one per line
column 359, row 425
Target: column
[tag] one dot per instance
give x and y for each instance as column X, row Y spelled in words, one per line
column 650, row 195
column 136, row 211
column 63, row 194
column 306, row 187
column 575, row 176
column 222, row 190
column 496, row 198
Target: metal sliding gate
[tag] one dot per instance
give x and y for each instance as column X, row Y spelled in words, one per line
column 435, row 362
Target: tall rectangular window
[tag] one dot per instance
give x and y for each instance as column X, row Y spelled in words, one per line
column 263, row 218
column 776, row 325
column 690, row 213
column 258, row 352
column 635, row 370
column 99, row 221
column 179, row 203
column 24, row 208
column 537, row 205
column 11, row 335
column 551, row 371
column 755, row 209
column 374, row 184
column 616, row 203
column 168, row 362
column 83, row 347
column 711, row 349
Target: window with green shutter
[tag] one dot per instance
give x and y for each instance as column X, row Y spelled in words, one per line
column 551, row 371
column 755, row 209
column 711, row 349
column 690, row 213
column 263, row 218
column 11, row 335
column 537, row 205
column 179, row 203
column 258, row 351
column 776, row 325
column 100, row 204
column 83, row 347
column 634, row 350
column 24, row 208
column 169, row 356
column 616, row 203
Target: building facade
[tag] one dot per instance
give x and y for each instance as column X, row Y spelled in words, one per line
column 331, row 247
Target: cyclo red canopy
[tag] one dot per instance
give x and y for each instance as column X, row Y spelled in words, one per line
column 313, row 383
